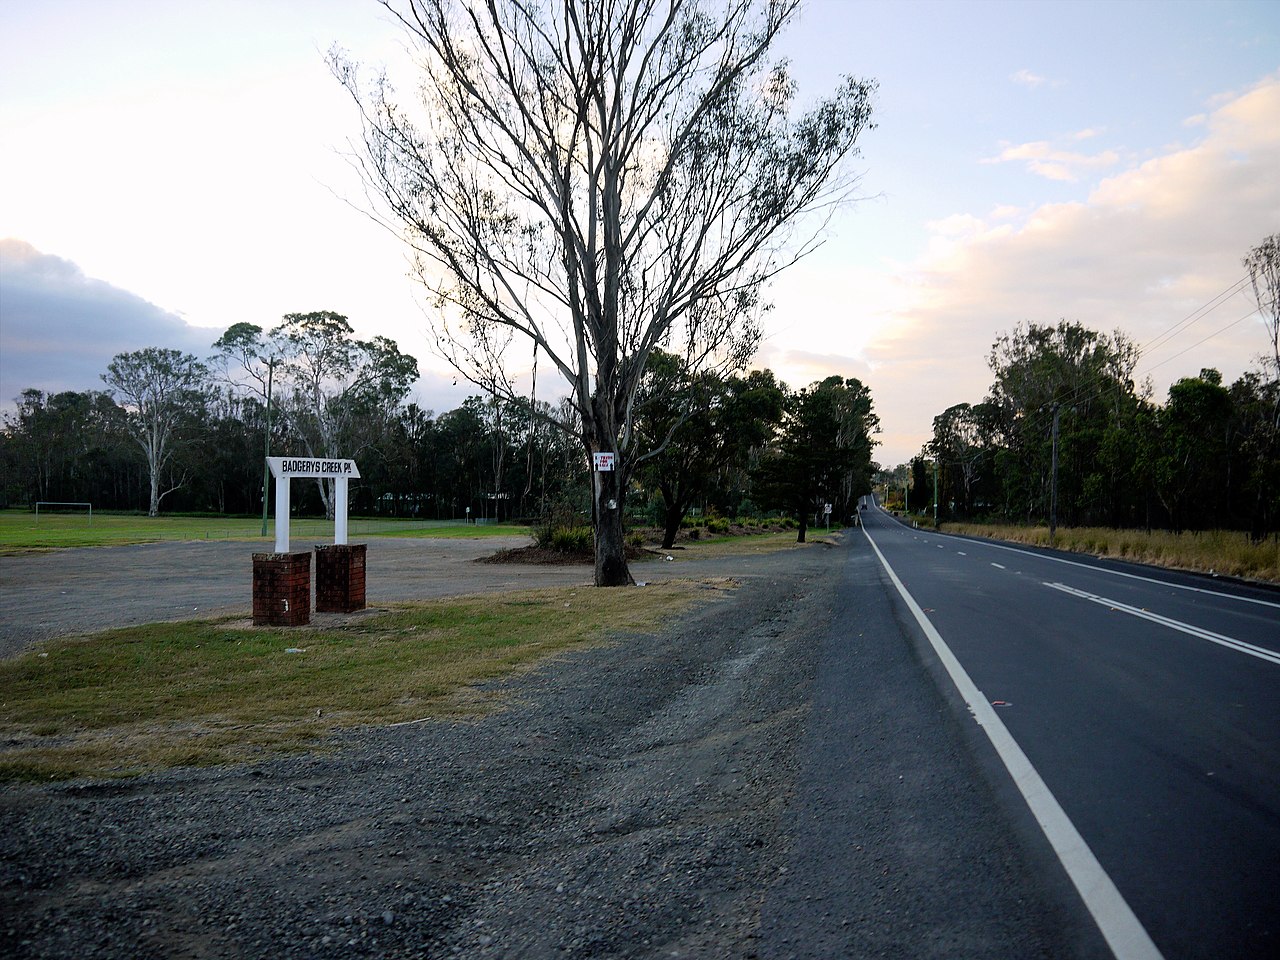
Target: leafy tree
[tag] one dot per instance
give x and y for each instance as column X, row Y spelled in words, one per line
column 66, row 446
column 963, row 443
column 164, row 392
column 603, row 178
column 700, row 427
column 824, row 452
column 337, row 394
column 1088, row 376
column 1190, row 465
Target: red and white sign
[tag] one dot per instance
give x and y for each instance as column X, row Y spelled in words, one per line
column 603, row 461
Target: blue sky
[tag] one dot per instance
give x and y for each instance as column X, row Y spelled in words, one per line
column 175, row 168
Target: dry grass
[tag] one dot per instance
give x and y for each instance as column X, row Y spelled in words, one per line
column 1224, row 552
column 734, row 546
column 206, row 692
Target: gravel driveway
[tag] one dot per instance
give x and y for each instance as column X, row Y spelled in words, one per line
column 773, row 776
column 52, row 594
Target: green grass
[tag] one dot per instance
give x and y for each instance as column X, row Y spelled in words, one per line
column 1224, row 552
column 207, row 692
column 19, row 530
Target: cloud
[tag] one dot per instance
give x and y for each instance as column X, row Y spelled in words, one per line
column 1147, row 247
column 59, row 328
column 1042, row 158
column 1026, row 78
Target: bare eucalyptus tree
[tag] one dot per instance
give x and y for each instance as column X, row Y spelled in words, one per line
column 164, row 393
column 602, row 178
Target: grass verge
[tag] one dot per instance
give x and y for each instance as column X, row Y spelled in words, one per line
column 1224, row 552
column 124, row 701
column 20, row 532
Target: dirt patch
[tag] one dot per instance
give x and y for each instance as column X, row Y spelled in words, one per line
column 545, row 556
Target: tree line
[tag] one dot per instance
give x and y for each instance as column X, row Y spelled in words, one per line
column 1065, row 435
column 189, row 434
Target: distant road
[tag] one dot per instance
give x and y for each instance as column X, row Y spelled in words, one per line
column 1149, row 704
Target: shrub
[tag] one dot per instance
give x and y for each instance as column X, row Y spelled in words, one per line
column 718, row 525
column 572, row 540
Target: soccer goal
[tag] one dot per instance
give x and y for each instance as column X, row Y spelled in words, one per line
column 63, row 506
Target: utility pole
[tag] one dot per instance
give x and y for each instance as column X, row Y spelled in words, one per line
column 935, row 492
column 266, row 468
column 1053, row 483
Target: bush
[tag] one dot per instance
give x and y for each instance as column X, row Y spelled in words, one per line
column 718, row 525
column 568, row 539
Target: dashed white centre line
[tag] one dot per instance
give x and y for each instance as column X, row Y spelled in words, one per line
column 1231, row 643
column 999, row 566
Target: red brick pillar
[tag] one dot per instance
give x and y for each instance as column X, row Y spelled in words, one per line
column 340, row 577
column 281, row 589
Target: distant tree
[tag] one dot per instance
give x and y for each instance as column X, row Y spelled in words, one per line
column 824, row 452
column 699, row 427
column 1085, row 374
column 333, row 395
column 962, row 443
column 603, row 179
column 164, row 392
column 70, row 445
column 340, row 393
column 1189, row 468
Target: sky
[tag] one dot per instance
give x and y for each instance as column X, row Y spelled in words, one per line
column 167, row 170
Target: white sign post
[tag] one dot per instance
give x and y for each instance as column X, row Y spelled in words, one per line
column 285, row 469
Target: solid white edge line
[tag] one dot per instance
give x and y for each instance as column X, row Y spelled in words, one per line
column 1119, row 926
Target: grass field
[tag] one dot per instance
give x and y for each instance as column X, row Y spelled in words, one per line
column 216, row 691
column 1223, row 552
column 19, row 529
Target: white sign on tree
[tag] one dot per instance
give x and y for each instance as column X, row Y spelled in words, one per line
column 285, row 469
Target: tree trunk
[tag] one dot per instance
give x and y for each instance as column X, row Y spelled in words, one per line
column 804, row 525
column 671, row 526
column 154, row 509
column 611, row 557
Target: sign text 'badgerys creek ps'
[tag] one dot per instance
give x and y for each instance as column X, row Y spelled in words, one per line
column 309, row 467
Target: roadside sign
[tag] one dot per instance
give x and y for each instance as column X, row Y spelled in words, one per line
column 603, row 461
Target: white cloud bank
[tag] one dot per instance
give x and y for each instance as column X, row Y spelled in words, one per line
column 1146, row 248
column 59, row 328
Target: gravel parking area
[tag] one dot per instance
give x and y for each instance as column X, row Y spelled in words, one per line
column 735, row 785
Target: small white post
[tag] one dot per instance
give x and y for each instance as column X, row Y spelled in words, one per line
column 282, row 513
column 340, row 510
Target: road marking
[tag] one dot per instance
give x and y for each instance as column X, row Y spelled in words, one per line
column 1222, row 640
column 962, row 553
column 1122, row 930
column 1132, row 576
column 998, row 566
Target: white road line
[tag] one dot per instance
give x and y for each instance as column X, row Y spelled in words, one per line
column 962, row 553
column 1122, row 930
column 1221, row 639
column 998, row 566
column 1133, row 576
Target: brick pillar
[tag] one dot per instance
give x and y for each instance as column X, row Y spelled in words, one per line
column 340, row 577
column 281, row 589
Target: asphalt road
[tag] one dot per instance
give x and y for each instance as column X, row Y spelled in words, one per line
column 1148, row 702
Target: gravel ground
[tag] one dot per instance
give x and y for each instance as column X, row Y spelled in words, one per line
column 682, row 793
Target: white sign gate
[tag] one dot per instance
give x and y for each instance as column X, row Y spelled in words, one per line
column 285, row 469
